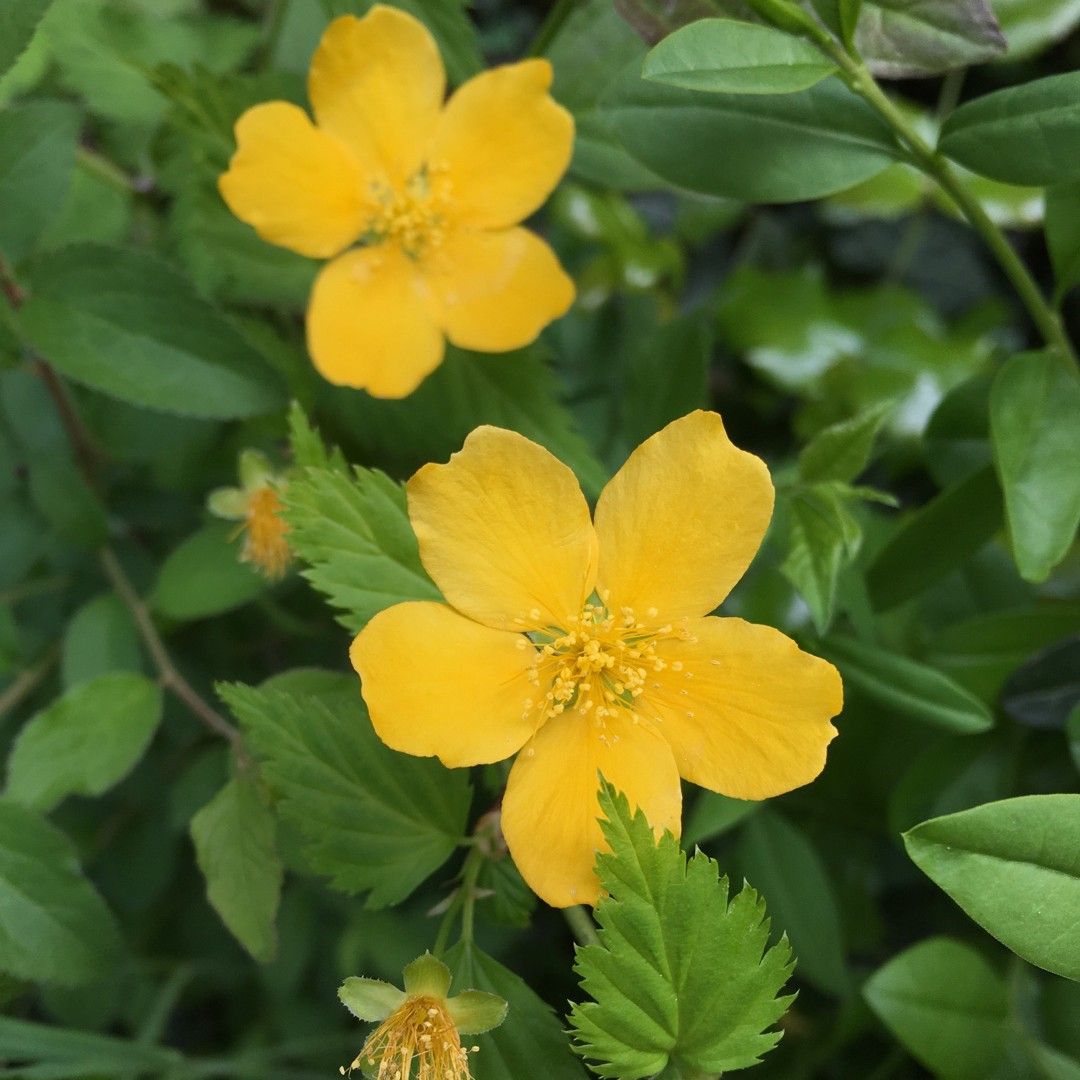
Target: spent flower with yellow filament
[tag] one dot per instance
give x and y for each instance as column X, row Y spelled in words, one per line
column 419, row 1028
column 415, row 201
column 257, row 505
column 587, row 647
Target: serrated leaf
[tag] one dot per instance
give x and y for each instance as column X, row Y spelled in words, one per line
column 54, row 927
column 372, row 820
column 85, row 742
column 353, row 532
column 236, row 848
column 307, row 446
column 682, row 974
column 841, row 451
column 1014, row 867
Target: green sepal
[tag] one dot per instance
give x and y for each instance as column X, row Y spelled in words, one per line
column 229, row 503
column 427, row 976
column 254, row 468
column 476, row 1011
column 369, row 999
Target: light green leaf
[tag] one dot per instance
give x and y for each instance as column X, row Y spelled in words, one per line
column 86, row 742
column 842, row 450
column 1031, row 25
column 532, row 1032
column 1035, row 425
column 946, row 1005
column 354, row 534
column 54, row 927
column 37, row 155
column 1014, row 867
column 372, row 819
column 101, row 637
column 126, row 324
column 204, row 576
column 236, row 848
column 18, row 21
column 778, row 860
column 1063, row 234
column 727, row 56
column 1027, row 134
column 682, row 976
column 307, row 446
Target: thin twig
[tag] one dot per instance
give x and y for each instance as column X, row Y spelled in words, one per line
column 27, row 681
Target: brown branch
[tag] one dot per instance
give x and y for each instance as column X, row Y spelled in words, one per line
column 27, row 681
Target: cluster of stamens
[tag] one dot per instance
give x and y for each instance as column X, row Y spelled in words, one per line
column 412, row 216
column 601, row 665
column 265, row 545
column 419, row 1032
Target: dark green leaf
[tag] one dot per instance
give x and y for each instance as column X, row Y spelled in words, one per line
column 1014, row 867
column 128, row 325
column 18, row 21
column 1063, row 234
column 236, row 847
column 1035, row 423
column 54, row 928
column 73, row 1054
column 372, row 819
column 946, row 1005
column 727, row 56
column 1027, row 134
column 85, row 742
column 1043, row 692
column 712, row 815
column 101, row 637
column 653, row 20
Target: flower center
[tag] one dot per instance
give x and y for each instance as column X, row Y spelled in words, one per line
column 412, row 216
column 418, row 1032
column 601, row 664
column 265, row 545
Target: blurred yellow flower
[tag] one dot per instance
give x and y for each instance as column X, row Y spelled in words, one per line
column 431, row 193
column 588, row 646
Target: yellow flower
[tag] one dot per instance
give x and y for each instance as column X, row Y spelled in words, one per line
column 588, row 645
column 433, row 193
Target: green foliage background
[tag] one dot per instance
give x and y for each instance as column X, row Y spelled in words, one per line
column 187, row 874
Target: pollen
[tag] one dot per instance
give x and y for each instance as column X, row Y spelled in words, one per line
column 412, row 216
column 265, row 546
column 419, row 1033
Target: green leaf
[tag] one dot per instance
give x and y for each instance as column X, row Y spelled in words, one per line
column 743, row 146
column 1027, row 134
column 783, row 866
column 372, row 819
column 101, row 637
column 353, row 532
column 1072, row 729
column 532, row 1032
column 1063, row 235
column 54, row 928
column 18, row 21
column 713, row 815
column 682, row 975
column 935, row 539
column 64, row 1053
column 37, row 155
column 1031, row 25
column 1014, row 867
column 906, row 687
column 204, row 576
column 85, row 742
column 905, row 38
column 307, row 446
column 236, row 848
column 842, row 450
column 946, row 1005
column 1035, row 424
column 126, row 324
column 1041, row 693
column 653, row 20
column 727, row 56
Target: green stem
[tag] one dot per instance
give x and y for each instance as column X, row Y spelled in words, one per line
column 550, row 27
column 101, row 167
column 581, row 925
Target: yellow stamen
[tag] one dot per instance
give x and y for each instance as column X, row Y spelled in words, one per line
column 418, row 1032
column 265, row 545
column 412, row 216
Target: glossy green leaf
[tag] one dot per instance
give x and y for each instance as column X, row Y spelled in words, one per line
column 19, row 20
column 236, row 847
column 946, row 1005
column 86, row 742
column 743, row 146
column 1063, row 234
column 125, row 323
column 727, row 56
column 906, row 687
column 1014, row 867
column 1035, row 424
column 1027, row 134
column 54, row 927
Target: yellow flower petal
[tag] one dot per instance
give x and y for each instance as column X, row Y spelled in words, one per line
column 550, row 810
column 681, row 520
column 504, row 532
column 378, row 84
column 368, row 324
column 497, row 290
column 298, row 186
column 748, row 713
column 437, row 683
column 505, row 143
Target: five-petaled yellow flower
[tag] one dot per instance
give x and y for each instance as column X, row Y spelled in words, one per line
column 416, row 203
column 588, row 645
